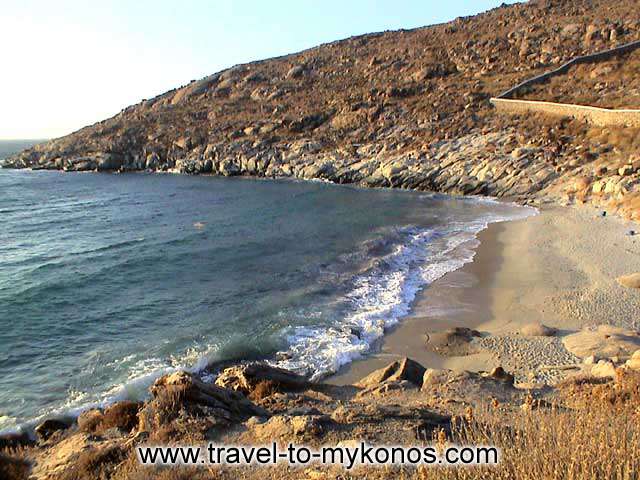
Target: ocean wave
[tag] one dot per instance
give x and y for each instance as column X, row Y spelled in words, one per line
column 378, row 282
column 381, row 296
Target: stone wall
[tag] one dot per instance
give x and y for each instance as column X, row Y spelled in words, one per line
column 593, row 115
column 592, row 58
column 597, row 116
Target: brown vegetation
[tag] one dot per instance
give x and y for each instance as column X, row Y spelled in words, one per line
column 585, row 428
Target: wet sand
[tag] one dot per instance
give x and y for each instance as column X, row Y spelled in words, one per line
column 558, row 268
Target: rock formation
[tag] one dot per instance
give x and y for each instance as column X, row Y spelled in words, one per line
column 407, row 109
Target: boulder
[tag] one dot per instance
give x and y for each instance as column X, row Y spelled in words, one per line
column 183, row 143
column 152, row 161
column 228, row 168
column 433, row 376
column 319, row 170
column 47, row 428
column 630, row 281
column 404, row 369
column 536, row 329
column 455, row 341
column 107, row 161
column 591, row 34
column 571, row 30
column 185, row 389
column 498, row 373
column 89, row 420
column 391, row 170
column 603, row 369
column 295, row 72
column 245, row 378
column 603, row 341
column 121, row 415
column 471, row 387
column 625, row 170
column 634, row 362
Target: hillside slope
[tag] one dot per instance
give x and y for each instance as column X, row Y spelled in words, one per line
column 404, row 109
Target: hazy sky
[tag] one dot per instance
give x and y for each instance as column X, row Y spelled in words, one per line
column 65, row 64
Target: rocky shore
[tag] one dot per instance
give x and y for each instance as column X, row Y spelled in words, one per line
column 558, row 384
column 406, row 109
column 403, row 403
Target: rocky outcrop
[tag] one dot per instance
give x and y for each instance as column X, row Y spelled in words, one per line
column 407, row 109
column 404, row 369
column 246, row 378
column 184, row 410
column 182, row 393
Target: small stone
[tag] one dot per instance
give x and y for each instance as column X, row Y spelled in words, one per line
column 590, row 360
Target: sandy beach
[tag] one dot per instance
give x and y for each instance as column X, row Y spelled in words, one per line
column 558, row 268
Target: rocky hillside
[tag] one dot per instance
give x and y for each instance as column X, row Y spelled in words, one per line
column 613, row 83
column 405, row 109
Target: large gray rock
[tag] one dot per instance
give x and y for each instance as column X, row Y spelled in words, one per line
column 404, row 369
column 108, row 161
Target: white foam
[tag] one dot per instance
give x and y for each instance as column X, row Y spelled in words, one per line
column 381, row 297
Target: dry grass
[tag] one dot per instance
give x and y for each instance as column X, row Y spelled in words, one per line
column 12, row 468
column 586, row 444
column 591, row 430
column 598, row 438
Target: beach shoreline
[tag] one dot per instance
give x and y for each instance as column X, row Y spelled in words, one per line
column 557, row 268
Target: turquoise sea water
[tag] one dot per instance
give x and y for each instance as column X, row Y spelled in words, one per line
column 107, row 281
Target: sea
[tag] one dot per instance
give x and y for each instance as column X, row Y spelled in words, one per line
column 108, row 281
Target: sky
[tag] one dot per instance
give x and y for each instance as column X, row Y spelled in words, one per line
column 65, row 64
